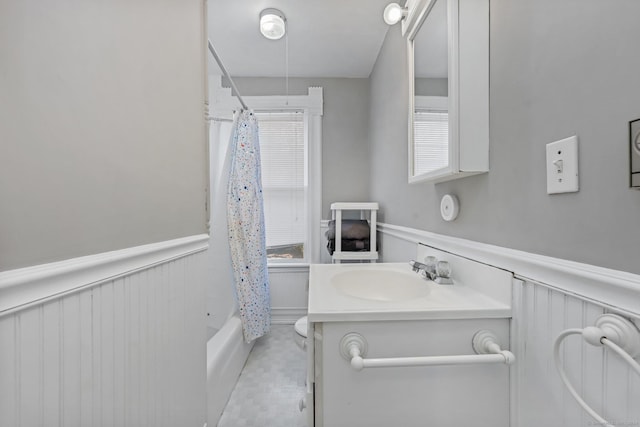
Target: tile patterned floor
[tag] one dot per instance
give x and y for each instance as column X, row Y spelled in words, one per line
column 270, row 385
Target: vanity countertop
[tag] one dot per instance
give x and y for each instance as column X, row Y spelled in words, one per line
column 334, row 295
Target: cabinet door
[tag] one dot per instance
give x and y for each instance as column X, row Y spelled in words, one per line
column 448, row 103
column 443, row 396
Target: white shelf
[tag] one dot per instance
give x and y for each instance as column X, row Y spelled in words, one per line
column 354, row 206
column 365, row 256
column 336, row 213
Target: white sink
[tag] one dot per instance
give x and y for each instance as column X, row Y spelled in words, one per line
column 380, row 284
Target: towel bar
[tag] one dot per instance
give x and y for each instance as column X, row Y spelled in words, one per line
column 612, row 331
column 353, row 348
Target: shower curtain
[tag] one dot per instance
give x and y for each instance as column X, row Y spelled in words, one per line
column 245, row 219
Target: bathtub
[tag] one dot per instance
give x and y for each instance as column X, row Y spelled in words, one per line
column 226, row 354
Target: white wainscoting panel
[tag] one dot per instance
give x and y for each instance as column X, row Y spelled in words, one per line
column 539, row 398
column 130, row 351
column 289, row 293
column 395, row 249
column 549, row 296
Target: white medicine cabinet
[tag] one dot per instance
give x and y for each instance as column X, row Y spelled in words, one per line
column 448, row 52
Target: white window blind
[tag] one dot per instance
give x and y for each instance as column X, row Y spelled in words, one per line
column 431, row 140
column 284, row 181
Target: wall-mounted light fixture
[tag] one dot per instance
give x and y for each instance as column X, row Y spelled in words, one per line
column 272, row 24
column 394, row 13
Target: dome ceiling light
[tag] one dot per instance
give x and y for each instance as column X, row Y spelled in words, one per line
column 272, row 24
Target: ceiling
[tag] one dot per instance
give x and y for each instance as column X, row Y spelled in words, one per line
column 326, row 38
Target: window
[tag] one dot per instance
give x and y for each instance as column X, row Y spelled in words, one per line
column 283, row 154
column 291, row 152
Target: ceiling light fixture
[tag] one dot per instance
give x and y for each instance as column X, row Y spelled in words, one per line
column 394, row 13
column 272, row 24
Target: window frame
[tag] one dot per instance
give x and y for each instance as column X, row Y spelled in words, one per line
column 307, row 189
column 223, row 103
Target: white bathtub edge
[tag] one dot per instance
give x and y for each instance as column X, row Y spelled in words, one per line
column 226, row 355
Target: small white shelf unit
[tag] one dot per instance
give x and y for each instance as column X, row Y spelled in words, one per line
column 336, row 214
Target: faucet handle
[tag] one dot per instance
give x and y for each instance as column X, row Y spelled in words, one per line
column 443, row 269
column 430, row 262
column 443, row 273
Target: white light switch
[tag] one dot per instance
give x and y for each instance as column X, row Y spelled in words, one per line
column 562, row 166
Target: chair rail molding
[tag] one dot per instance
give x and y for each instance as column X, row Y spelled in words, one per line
column 619, row 290
column 36, row 284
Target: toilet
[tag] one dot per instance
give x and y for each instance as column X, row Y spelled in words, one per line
column 300, row 334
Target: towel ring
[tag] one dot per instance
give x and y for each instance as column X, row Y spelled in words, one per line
column 612, row 331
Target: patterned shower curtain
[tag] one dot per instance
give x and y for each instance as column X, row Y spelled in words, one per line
column 245, row 218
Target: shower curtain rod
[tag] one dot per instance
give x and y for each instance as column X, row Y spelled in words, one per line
column 227, row 75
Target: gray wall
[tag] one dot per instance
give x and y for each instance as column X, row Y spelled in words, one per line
column 102, row 132
column 558, row 68
column 345, row 148
column 431, row 87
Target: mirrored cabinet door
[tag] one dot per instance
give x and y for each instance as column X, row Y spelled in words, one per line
column 448, row 103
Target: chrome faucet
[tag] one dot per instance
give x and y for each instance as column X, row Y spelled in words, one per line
column 428, row 270
column 432, row 269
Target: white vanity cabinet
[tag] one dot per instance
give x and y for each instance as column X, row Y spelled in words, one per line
column 395, row 314
column 442, row 396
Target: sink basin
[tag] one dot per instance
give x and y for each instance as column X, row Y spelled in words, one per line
column 380, row 285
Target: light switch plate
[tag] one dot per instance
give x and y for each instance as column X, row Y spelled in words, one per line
column 562, row 166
